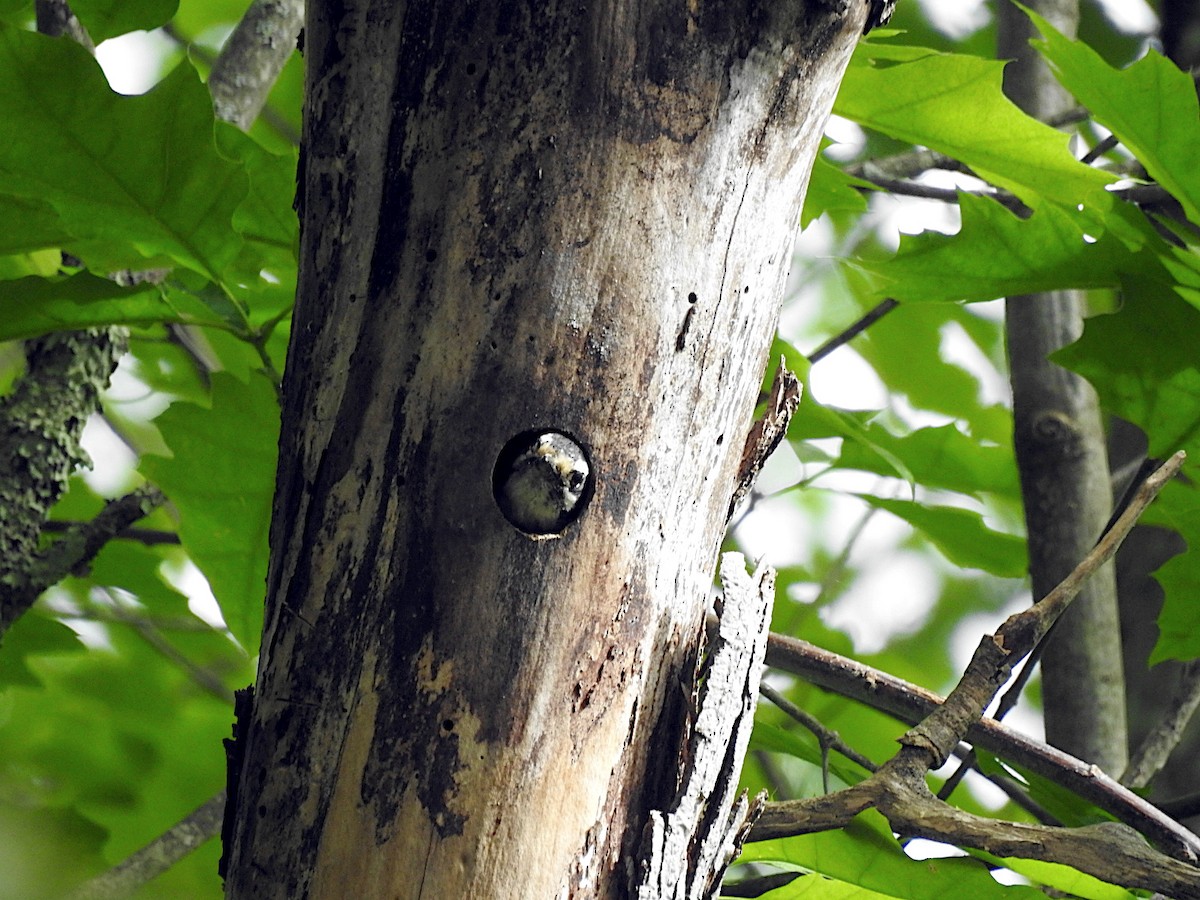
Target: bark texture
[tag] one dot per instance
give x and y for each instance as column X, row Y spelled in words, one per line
column 515, row 216
column 1060, row 446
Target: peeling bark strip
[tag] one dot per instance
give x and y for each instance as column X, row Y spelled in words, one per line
column 505, row 209
column 687, row 848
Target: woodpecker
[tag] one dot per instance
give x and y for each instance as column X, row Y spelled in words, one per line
column 539, row 483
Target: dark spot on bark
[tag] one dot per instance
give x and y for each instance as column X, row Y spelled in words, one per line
column 692, row 298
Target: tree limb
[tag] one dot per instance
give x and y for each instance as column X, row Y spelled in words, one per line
column 1165, row 736
column 156, row 857
column 911, row 703
column 1112, row 852
column 81, row 542
column 41, row 422
column 252, row 58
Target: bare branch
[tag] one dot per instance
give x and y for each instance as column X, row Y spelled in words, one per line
column 1114, row 853
column 55, row 18
column 151, row 537
column 156, row 857
column 81, row 542
column 849, row 333
column 252, row 58
column 912, row 703
column 1154, row 751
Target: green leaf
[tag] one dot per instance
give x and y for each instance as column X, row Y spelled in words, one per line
column 1150, row 106
column 221, row 480
column 940, row 457
column 802, row 745
column 1070, row 882
column 906, row 349
column 265, row 217
column 34, row 306
column 954, row 104
column 1178, row 507
column 137, row 181
column 28, row 223
column 866, row 854
column 1142, row 361
column 33, row 634
column 829, row 189
column 120, row 738
column 961, row 536
column 998, row 254
column 817, row 887
column 1063, row 804
column 104, row 19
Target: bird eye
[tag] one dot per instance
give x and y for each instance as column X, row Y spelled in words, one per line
column 575, row 481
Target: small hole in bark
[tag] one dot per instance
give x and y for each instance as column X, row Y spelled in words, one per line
column 692, row 298
column 471, row 68
column 447, row 724
column 430, row 255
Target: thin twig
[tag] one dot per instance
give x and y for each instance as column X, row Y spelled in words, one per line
column 848, row 334
column 151, row 537
column 826, row 738
column 205, row 679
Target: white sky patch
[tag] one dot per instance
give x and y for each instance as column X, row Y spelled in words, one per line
column 893, row 597
column 190, row 581
column 136, row 398
column 957, row 18
column 132, row 63
column 1130, row 16
column 848, row 138
column 958, row 348
column 845, row 380
column 112, row 460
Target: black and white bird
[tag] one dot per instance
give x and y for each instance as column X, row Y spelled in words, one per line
column 540, row 483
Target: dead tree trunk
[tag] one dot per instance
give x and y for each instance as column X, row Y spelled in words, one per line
column 517, row 217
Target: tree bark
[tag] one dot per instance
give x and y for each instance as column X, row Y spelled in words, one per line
column 1060, row 447
column 515, row 217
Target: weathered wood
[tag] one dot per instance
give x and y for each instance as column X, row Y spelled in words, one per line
column 687, row 846
column 515, row 216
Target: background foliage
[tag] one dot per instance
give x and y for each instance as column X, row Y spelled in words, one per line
column 895, row 518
